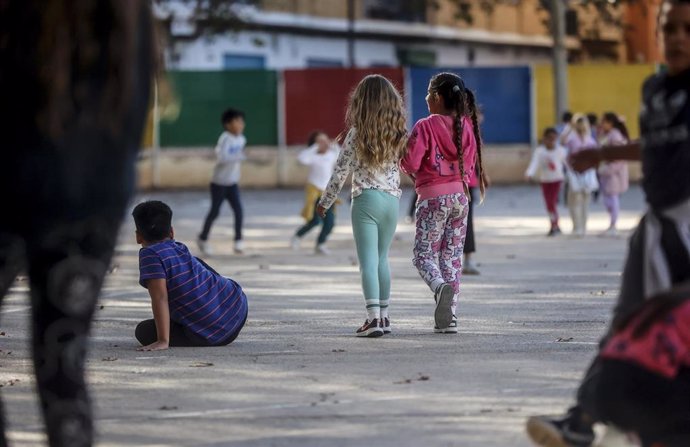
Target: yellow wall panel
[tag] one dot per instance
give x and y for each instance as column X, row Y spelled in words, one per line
column 594, row 88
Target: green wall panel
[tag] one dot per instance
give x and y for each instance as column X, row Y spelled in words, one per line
column 204, row 95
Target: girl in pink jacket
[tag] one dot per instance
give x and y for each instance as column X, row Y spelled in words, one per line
column 444, row 150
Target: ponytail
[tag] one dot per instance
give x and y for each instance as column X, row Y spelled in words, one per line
column 618, row 124
column 473, row 112
column 457, row 93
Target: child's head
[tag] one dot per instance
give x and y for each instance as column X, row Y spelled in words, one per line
column 581, row 124
column 550, row 137
column 675, row 29
column 567, row 117
column 320, row 138
column 153, row 220
column 377, row 112
column 611, row 121
column 233, row 121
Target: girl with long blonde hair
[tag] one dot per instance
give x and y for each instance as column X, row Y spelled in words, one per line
column 373, row 147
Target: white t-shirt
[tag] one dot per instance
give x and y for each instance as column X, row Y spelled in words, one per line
column 321, row 164
column 547, row 165
column 229, row 155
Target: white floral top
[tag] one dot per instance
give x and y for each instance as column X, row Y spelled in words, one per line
column 387, row 179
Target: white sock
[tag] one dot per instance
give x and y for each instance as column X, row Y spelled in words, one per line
column 373, row 309
column 384, row 308
column 435, row 284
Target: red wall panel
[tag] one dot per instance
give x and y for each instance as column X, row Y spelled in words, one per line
column 317, row 98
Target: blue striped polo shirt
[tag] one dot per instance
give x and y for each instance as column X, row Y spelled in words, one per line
column 210, row 305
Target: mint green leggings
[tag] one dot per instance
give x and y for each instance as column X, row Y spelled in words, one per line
column 374, row 219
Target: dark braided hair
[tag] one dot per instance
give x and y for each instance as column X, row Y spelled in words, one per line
column 617, row 123
column 458, row 98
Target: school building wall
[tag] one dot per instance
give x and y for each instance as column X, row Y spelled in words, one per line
column 283, row 107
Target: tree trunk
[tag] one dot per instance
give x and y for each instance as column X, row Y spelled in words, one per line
column 560, row 57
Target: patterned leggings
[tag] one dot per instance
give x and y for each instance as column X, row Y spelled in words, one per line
column 439, row 240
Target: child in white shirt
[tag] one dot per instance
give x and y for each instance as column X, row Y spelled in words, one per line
column 546, row 167
column 320, row 156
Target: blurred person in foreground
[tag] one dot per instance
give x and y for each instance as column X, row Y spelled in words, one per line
column 75, row 86
column 659, row 254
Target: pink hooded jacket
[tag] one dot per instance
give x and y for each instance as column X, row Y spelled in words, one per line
column 432, row 156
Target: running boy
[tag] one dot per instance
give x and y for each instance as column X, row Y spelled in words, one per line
column 226, row 178
column 546, row 167
column 192, row 304
column 659, row 256
column 444, row 149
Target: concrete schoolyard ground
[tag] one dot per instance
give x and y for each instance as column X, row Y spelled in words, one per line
column 297, row 375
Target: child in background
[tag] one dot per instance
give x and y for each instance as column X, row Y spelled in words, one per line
column 658, row 257
column 613, row 175
column 320, row 157
column 192, row 304
column 226, row 178
column 546, row 167
column 580, row 185
column 371, row 152
column 443, row 150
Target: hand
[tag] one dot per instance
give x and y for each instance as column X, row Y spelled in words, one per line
column 321, row 211
column 156, row 346
column 583, row 160
column 529, row 179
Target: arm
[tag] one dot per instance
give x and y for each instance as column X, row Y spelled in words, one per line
column 532, row 168
column 343, row 168
column 563, row 138
column 590, row 158
column 306, row 157
column 158, row 291
column 416, row 149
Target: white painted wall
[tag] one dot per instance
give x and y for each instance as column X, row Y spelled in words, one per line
column 290, row 51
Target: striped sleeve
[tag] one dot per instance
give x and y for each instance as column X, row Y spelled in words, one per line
column 150, row 266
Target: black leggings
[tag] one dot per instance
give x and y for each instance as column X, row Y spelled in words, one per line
column 220, row 193
column 180, row 336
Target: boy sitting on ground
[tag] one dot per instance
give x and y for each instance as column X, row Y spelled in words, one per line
column 192, row 304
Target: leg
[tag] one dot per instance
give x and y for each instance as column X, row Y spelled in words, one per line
column 550, row 193
column 11, row 262
column 573, row 208
column 431, row 218
column 365, row 231
column 585, row 197
column 146, row 334
column 67, row 265
column 307, row 227
column 216, row 202
column 413, row 205
column 232, row 194
column 328, row 224
column 470, row 246
column 612, row 204
column 454, row 233
column 388, row 222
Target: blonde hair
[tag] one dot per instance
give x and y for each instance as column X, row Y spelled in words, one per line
column 377, row 113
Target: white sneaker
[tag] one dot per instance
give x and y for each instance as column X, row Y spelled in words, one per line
column 295, row 242
column 204, row 247
column 239, row 246
column 321, row 249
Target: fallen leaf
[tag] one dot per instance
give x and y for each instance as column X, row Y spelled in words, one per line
column 423, row 378
column 564, row 340
column 338, row 350
column 109, row 359
column 102, row 307
column 200, row 364
column 598, row 293
column 2, row 333
column 167, row 408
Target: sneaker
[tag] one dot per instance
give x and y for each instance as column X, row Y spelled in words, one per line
column 295, row 242
column 204, row 247
column 443, row 315
column 321, row 249
column 469, row 268
column 611, row 232
column 239, row 246
column 451, row 329
column 554, row 232
column 386, row 325
column 370, row 329
column 554, row 432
